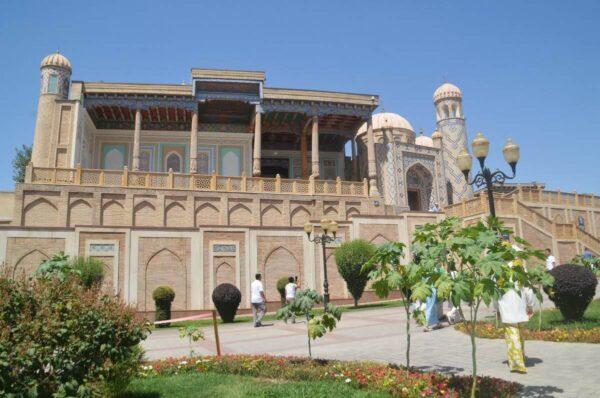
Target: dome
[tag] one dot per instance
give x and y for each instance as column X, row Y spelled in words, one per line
column 436, row 134
column 57, row 60
column 423, row 140
column 387, row 120
column 446, row 90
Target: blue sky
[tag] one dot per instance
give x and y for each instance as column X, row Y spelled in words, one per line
column 528, row 70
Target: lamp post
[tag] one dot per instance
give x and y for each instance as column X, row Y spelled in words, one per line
column 327, row 225
column 486, row 177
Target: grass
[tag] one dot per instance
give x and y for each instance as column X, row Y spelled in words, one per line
column 232, row 386
column 553, row 327
column 271, row 317
column 553, row 319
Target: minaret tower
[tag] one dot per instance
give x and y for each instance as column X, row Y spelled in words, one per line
column 55, row 81
column 451, row 124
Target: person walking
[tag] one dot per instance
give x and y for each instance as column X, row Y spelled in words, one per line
column 515, row 307
column 290, row 294
column 258, row 300
column 550, row 260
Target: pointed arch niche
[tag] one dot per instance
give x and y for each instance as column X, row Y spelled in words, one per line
column 419, row 187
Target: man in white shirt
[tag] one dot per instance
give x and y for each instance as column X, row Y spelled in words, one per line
column 290, row 294
column 550, row 260
column 258, row 300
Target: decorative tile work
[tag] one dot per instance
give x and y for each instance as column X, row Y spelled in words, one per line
column 101, row 249
column 221, row 248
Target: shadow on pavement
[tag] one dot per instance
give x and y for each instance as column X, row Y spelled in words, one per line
column 529, row 362
column 541, row 391
column 451, row 370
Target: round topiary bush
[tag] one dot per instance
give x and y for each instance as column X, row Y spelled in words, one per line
column 573, row 290
column 281, row 282
column 350, row 258
column 227, row 298
column 163, row 297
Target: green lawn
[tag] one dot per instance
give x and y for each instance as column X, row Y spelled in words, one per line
column 271, row 317
column 553, row 319
column 220, row 385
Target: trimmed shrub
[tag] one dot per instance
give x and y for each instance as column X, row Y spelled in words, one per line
column 281, row 282
column 90, row 270
column 350, row 258
column 227, row 298
column 60, row 339
column 573, row 290
column 163, row 296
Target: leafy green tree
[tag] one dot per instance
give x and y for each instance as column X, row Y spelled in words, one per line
column 483, row 266
column 350, row 258
column 20, row 162
column 389, row 274
column 303, row 305
column 58, row 266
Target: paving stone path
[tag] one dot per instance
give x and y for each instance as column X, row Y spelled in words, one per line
column 554, row 369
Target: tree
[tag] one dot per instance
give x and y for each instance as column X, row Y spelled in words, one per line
column 20, row 162
column 483, row 267
column 389, row 274
column 350, row 258
column 303, row 305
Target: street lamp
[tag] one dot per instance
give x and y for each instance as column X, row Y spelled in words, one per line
column 327, row 225
column 485, row 177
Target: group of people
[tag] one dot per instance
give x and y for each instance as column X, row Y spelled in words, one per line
column 258, row 299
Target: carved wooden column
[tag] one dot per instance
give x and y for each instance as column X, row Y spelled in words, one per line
column 372, row 165
column 257, row 141
column 315, row 146
column 136, row 140
column 355, row 175
column 304, row 154
column 194, row 143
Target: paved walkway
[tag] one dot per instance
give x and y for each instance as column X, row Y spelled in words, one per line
column 555, row 369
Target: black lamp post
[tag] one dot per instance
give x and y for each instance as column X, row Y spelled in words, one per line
column 327, row 225
column 486, row 177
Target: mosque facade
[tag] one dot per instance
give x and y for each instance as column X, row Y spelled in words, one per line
column 193, row 185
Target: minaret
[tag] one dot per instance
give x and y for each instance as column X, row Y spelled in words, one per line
column 55, row 73
column 451, row 124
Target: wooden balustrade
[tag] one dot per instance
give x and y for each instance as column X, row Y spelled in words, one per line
column 198, row 182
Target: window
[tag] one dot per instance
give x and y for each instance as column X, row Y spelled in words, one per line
column 53, row 84
column 173, row 162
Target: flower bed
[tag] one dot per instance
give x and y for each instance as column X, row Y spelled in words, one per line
column 490, row 331
column 362, row 375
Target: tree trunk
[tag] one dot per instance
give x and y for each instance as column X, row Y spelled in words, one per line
column 474, row 349
column 355, row 302
column 407, row 337
column 308, row 335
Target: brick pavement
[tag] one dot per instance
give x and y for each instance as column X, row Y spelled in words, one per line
column 555, row 369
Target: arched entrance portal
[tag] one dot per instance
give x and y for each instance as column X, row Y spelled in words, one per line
column 419, row 184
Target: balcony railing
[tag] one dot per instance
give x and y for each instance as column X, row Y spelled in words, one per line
column 194, row 182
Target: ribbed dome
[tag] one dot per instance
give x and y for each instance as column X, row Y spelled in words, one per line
column 57, row 60
column 387, row 120
column 436, row 134
column 446, row 90
column 423, row 140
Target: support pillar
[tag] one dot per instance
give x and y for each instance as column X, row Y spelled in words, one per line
column 355, row 175
column 315, row 147
column 194, row 143
column 304, row 154
column 136, row 140
column 372, row 165
column 257, row 141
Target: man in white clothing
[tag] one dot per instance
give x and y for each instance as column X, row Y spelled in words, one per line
column 550, row 260
column 258, row 300
column 290, row 294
